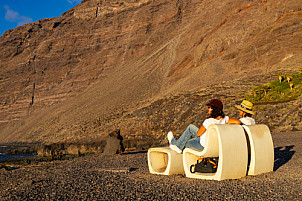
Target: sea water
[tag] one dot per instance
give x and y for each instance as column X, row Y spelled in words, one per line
column 5, row 157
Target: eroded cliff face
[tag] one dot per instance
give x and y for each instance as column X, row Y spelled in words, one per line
column 102, row 60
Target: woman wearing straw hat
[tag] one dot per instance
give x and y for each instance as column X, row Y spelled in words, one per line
column 246, row 112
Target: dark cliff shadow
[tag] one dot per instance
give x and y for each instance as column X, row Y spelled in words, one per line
column 282, row 155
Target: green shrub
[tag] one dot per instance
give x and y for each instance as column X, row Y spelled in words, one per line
column 277, row 91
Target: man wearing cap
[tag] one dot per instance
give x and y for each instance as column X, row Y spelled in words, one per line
column 216, row 116
column 246, row 112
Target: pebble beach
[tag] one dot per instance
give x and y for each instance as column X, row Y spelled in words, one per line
column 126, row 177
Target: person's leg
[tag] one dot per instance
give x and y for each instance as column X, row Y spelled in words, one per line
column 194, row 143
column 190, row 132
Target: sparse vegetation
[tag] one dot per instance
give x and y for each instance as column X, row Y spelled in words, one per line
column 277, row 90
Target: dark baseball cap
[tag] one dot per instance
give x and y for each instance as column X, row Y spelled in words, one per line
column 216, row 103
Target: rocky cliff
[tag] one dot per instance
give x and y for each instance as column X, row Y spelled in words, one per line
column 102, row 64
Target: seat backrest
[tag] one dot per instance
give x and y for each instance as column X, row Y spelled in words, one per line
column 232, row 151
column 212, row 146
column 261, row 149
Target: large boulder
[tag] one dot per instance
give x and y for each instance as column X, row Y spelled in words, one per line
column 114, row 143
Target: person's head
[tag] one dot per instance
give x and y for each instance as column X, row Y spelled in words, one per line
column 215, row 108
column 245, row 108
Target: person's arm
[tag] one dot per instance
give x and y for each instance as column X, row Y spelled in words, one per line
column 201, row 131
column 234, row 121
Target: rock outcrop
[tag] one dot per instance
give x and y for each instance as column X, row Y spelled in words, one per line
column 95, row 68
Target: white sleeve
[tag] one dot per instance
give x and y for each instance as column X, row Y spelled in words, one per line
column 226, row 119
column 207, row 123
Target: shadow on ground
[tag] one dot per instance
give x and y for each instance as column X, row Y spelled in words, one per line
column 134, row 152
column 282, row 156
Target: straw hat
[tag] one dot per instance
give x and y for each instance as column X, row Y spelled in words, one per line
column 246, row 106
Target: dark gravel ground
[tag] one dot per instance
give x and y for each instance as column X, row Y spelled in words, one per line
column 126, row 177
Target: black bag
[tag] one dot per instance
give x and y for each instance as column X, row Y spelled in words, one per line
column 205, row 165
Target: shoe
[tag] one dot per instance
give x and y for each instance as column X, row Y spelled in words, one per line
column 170, row 137
column 175, row 148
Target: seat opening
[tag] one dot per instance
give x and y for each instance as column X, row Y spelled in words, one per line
column 159, row 161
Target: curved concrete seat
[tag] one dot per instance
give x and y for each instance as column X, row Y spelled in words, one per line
column 261, row 149
column 165, row 161
column 228, row 142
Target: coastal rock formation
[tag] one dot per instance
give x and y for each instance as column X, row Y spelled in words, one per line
column 109, row 145
column 94, row 69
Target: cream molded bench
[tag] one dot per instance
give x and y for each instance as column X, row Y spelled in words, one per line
column 228, row 142
column 165, row 161
column 261, row 149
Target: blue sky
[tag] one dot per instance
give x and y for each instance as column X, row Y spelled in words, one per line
column 15, row 13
